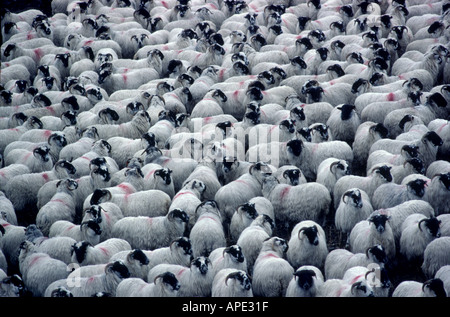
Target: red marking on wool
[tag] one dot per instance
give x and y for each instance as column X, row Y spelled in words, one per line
column 104, row 250
column 88, row 42
column 38, row 53
column 126, row 188
column 125, row 77
column 315, row 147
column 85, row 157
column 332, row 82
column 356, row 278
column 240, row 181
column 441, row 127
column 236, row 94
column 181, row 272
column 149, row 174
column 222, row 71
column 29, row 36
column 285, row 191
column 390, row 96
column 51, row 110
column 90, row 280
column 35, row 260
column 270, row 255
column 47, row 133
column 27, row 156
column 60, row 201
column 182, row 193
column 165, row 4
column 165, row 47
column 45, row 177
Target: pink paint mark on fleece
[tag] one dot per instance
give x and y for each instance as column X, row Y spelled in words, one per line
column 270, row 255
column 285, row 191
column 125, row 78
column 38, row 53
column 390, row 96
column 45, row 177
column 182, row 193
column 126, row 188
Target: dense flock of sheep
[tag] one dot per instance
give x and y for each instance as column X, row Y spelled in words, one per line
column 231, row 148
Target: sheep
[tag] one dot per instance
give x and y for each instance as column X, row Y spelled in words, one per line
column 37, row 160
column 417, row 232
column 88, row 231
column 86, row 254
column 291, row 204
column 306, row 282
column 300, row 152
column 39, row 270
column 356, row 208
column 271, row 272
column 59, row 248
column 242, row 218
column 189, row 198
column 241, row 190
column 12, row 237
column 427, row 146
column 228, row 257
column 380, row 174
column 338, row 261
column 438, row 166
column 341, row 288
column 290, row 174
column 375, row 277
column 8, row 212
column 195, row 280
column 106, row 282
column 430, row 288
column 392, row 194
column 343, row 123
column 209, row 177
column 207, row 232
column 60, row 207
column 8, row 172
column 330, row 170
column 442, row 274
column 437, row 193
column 239, row 286
column 310, row 251
column 10, row 135
column 164, row 285
column 163, row 229
column 408, row 152
column 106, row 214
column 433, row 259
column 441, row 127
column 132, row 203
column 179, row 252
column 11, row 286
column 375, row 230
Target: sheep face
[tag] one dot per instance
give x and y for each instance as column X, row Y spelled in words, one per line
column 311, row 234
column 242, row 278
column 179, row 215
column 361, row 289
column 379, row 222
column 79, row 250
column 384, row 172
column 170, row 280
column 445, row 180
column 417, row 186
column 434, row 287
column 164, row 173
column 305, row 278
column 377, row 253
column 235, row 252
column 201, row 265
column 432, row 226
column 248, row 209
column 183, row 243
column 354, row 197
column 42, row 153
column 293, row 175
column 139, row 256
column 119, row 269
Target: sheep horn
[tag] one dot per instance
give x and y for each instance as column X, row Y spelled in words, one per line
column 332, row 165
column 353, row 286
column 368, row 272
column 420, row 222
column 299, row 231
column 231, row 275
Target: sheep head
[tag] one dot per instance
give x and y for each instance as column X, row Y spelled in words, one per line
column 241, row 277
column 361, row 289
column 42, row 153
column 432, row 225
column 355, row 195
column 434, row 286
column 235, row 252
column 201, row 265
column 433, row 138
column 99, row 196
column 379, row 221
column 377, row 254
column 384, row 171
column 293, row 175
column 118, row 268
column 138, row 256
column 178, row 215
column 183, row 243
column 169, row 279
column 311, row 233
column 305, row 278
